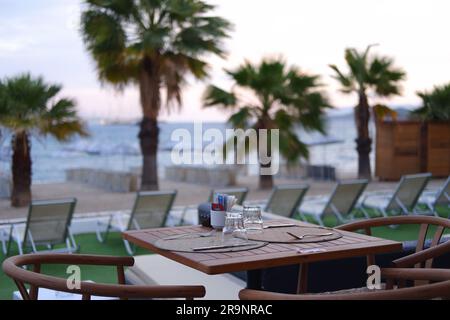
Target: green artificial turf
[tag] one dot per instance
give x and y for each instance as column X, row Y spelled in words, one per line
column 114, row 246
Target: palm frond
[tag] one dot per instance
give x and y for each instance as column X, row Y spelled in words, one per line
column 28, row 104
column 286, row 98
column 435, row 104
column 215, row 96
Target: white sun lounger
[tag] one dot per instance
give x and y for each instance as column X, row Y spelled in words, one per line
column 48, row 224
column 151, row 210
column 404, row 199
column 341, row 203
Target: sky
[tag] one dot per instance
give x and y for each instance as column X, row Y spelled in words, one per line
column 42, row 37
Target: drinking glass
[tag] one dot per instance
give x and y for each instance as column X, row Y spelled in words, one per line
column 253, row 221
column 234, row 226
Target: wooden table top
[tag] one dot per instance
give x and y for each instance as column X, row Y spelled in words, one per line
column 272, row 255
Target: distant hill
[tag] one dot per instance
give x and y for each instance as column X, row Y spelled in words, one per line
column 404, row 112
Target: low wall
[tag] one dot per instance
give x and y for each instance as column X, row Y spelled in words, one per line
column 115, row 181
column 223, row 176
column 303, row 171
column 5, row 187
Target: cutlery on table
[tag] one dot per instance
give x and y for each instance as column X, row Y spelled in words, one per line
column 284, row 225
column 223, row 246
column 194, row 235
column 309, row 235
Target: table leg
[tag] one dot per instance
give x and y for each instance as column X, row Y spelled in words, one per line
column 254, row 279
column 302, row 286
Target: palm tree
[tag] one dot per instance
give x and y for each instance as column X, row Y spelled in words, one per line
column 281, row 98
column 155, row 44
column 435, row 104
column 29, row 106
column 375, row 73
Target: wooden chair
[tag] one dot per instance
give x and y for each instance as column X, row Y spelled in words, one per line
column 13, row 267
column 428, row 283
column 439, row 289
column 424, row 221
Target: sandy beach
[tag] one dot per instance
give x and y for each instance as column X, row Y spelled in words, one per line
column 96, row 200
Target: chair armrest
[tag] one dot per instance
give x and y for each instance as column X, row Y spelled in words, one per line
column 82, row 259
column 421, row 256
column 131, row 291
column 415, row 274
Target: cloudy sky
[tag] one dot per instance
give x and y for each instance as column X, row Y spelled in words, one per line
column 41, row 36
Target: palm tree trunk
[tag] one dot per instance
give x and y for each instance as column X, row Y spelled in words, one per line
column 149, row 132
column 21, row 170
column 363, row 141
column 148, row 136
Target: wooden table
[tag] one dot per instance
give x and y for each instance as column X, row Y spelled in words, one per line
column 272, row 255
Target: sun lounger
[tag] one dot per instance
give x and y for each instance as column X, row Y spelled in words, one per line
column 239, row 193
column 341, row 203
column 48, row 224
column 285, row 200
column 404, row 199
column 439, row 198
column 151, row 210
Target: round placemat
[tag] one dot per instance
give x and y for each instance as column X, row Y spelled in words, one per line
column 281, row 235
column 188, row 244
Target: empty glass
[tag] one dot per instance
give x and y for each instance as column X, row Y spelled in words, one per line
column 253, row 221
column 234, row 226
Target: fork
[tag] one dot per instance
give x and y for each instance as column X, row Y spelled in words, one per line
column 309, row 235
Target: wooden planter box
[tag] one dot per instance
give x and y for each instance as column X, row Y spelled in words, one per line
column 408, row 147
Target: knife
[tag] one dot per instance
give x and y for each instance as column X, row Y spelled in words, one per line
column 280, row 226
column 223, row 246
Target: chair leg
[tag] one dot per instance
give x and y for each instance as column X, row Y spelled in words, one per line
column 3, row 246
column 383, row 212
column 364, row 211
column 72, row 245
column 319, row 220
column 8, row 249
column 302, row 216
column 33, row 245
column 4, row 236
column 20, row 246
column 102, row 238
column 128, row 247
column 183, row 216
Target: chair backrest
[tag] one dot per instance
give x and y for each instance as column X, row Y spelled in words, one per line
column 443, row 196
column 440, row 226
column 345, row 196
column 285, row 200
column 151, row 209
column 48, row 221
column 239, row 193
column 13, row 267
column 408, row 192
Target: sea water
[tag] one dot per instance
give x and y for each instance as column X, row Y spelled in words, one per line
column 116, row 147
